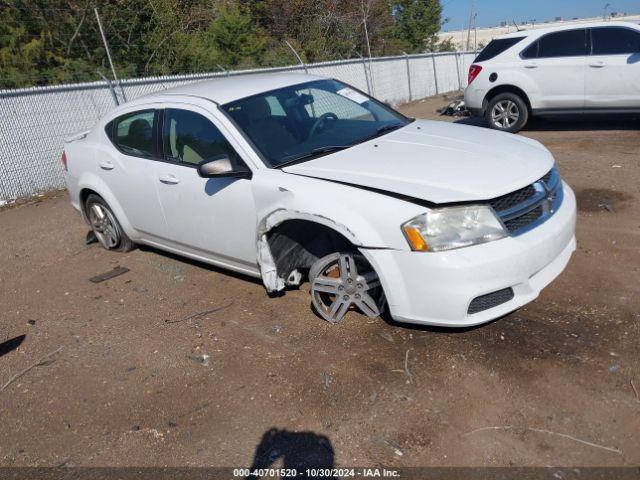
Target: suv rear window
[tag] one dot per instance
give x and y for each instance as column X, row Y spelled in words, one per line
column 495, row 48
column 568, row 43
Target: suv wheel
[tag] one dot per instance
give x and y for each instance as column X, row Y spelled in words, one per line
column 507, row 112
column 105, row 226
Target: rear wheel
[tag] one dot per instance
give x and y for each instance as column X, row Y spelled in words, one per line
column 507, row 112
column 345, row 281
column 105, row 225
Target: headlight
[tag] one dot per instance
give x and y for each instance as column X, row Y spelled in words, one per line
column 453, row 227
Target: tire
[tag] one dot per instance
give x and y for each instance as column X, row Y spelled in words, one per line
column 105, row 225
column 344, row 281
column 507, row 112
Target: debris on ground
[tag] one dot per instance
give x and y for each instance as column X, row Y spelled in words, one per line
column 203, row 359
column 607, row 205
column 548, row 432
column 396, row 448
column 43, row 362
column 276, row 328
column 199, row 315
column 116, row 272
column 31, row 322
column 634, row 390
column 90, row 238
column 325, row 379
column 386, row 336
column 406, row 367
column 455, row 109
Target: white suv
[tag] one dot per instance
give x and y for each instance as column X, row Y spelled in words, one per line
column 591, row 68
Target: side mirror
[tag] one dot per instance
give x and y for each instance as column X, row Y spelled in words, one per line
column 221, row 167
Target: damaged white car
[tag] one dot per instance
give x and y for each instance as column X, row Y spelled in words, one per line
column 294, row 177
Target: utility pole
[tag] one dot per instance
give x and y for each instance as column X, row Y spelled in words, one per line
column 475, row 32
column 604, row 12
column 471, row 9
column 106, row 47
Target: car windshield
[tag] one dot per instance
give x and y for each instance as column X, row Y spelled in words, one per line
column 301, row 122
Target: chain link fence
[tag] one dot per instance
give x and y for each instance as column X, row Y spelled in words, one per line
column 35, row 121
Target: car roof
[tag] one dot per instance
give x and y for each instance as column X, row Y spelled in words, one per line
column 538, row 32
column 234, row 87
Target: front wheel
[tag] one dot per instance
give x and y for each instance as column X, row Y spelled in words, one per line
column 507, row 112
column 344, row 281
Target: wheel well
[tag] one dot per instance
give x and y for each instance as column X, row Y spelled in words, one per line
column 506, row 89
column 297, row 244
column 84, row 194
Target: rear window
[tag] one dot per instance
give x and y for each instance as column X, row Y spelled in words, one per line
column 496, row 47
column 133, row 133
column 568, row 43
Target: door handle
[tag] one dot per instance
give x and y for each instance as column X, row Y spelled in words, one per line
column 597, row 64
column 169, row 179
column 106, row 165
column 531, row 65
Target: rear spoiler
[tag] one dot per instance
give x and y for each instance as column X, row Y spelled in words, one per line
column 76, row 136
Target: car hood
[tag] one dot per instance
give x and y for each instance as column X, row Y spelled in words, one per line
column 438, row 162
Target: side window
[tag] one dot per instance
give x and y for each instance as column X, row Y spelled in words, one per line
column 134, row 135
column 531, row 51
column 188, row 137
column 568, row 43
column 614, row 41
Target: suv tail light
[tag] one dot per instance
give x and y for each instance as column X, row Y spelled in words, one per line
column 63, row 159
column 474, row 71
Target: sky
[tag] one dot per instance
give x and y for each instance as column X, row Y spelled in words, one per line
column 492, row 12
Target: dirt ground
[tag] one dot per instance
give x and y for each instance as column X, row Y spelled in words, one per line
column 132, row 380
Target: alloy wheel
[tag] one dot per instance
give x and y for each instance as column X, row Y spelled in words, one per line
column 505, row 114
column 104, row 226
column 343, row 282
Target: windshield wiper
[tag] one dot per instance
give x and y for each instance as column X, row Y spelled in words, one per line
column 314, row 153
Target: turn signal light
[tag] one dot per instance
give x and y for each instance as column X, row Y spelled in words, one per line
column 415, row 239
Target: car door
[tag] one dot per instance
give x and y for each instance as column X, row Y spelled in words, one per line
column 127, row 168
column 212, row 218
column 555, row 64
column 613, row 71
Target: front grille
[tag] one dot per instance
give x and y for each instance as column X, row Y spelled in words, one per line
column 530, row 205
column 512, row 199
column 523, row 220
column 490, row 300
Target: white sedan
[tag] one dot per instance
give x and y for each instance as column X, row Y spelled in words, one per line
column 294, row 177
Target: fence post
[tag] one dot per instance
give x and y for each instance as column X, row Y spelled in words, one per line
column 458, row 70
column 297, row 56
column 106, row 48
column 113, row 92
column 435, row 72
column 366, row 76
column 406, row 57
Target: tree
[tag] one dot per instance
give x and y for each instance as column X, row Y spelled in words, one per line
column 417, row 23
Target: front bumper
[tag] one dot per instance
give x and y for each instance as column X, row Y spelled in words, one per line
column 437, row 288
